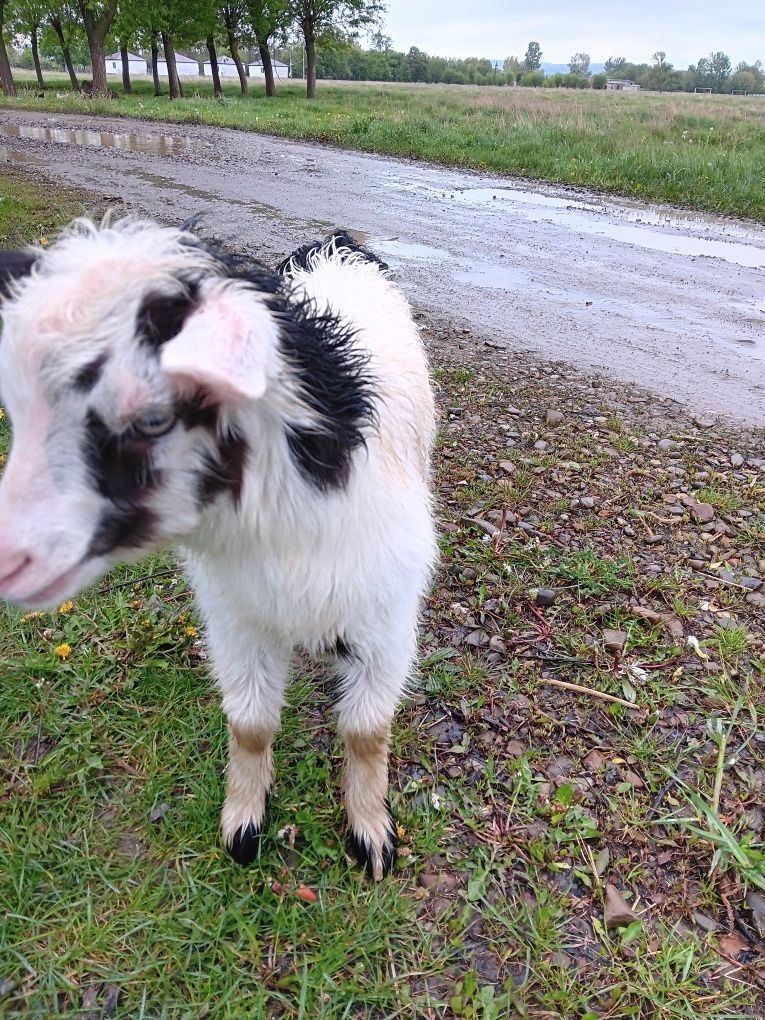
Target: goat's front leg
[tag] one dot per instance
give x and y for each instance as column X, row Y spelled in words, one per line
column 368, row 699
column 253, row 694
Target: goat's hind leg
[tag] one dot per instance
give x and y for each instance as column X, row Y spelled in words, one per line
column 252, row 701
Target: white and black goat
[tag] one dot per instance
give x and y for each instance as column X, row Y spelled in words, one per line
column 276, row 428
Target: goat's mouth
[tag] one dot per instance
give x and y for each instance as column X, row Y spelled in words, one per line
column 54, row 591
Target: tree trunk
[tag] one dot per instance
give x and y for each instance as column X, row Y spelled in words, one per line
column 58, row 28
column 233, row 49
column 174, row 82
column 154, row 68
column 96, row 32
column 125, row 69
column 310, row 59
column 6, row 78
column 217, row 90
column 36, row 59
column 268, row 67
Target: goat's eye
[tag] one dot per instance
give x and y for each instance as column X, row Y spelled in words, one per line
column 155, row 423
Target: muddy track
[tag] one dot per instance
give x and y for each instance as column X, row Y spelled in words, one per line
column 664, row 300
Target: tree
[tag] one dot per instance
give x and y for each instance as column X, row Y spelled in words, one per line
column 324, row 18
column 580, row 64
column 267, row 17
column 97, row 18
column 27, row 16
column 659, row 58
column 64, row 26
column 533, row 59
column 6, row 78
column 747, row 78
column 512, row 68
column 614, row 67
column 713, row 71
column 234, row 21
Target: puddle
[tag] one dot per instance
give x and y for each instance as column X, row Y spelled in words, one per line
column 625, row 223
column 410, row 250
column 14, row 156
column 155, row 145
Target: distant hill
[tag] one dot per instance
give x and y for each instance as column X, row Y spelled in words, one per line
column 554, row 68
column 563, row 68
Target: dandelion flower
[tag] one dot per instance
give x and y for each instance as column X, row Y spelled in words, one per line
column 2, row 414
column 66, row 607
column 191, row 632
column 32, row 616
column 63, row 651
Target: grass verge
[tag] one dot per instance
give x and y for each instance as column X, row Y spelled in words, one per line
column 701, row 152
column 553, row 861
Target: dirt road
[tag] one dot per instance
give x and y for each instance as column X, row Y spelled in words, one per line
column 666, row 300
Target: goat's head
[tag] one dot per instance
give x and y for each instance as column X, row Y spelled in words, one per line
column 126, row 351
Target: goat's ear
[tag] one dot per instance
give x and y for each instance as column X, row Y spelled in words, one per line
column 14, row 265
column 227, row 347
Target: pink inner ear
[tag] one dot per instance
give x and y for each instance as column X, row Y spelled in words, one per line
column 228, row 347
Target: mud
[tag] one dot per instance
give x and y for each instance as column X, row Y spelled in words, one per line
column 659, row 298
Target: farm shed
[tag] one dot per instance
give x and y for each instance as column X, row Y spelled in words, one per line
column 184, row 65
column 226, row 67
column 136, row 65
column 281, row 70
column 620, row 85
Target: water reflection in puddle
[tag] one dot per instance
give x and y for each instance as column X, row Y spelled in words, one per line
column 622, row 222
column 156, row 145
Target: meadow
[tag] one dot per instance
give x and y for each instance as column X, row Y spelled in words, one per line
column 696, row 151
column 586, row 852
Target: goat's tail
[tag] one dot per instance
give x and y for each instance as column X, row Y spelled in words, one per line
column 339, row 246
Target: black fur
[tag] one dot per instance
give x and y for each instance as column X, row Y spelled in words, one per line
column 335, row 383
column 245, row 845
column 88, row 376
column 160, row 317
column 120, row 465
column 13, row 265
column 125, row 527
column 300, row 259
column 225, row 473
column 366, row 856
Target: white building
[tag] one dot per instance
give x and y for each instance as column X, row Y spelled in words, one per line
column 184, row 65
column 281, row 70
column 136, row 65
column 226, row 67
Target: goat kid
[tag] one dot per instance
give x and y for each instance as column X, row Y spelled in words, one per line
column 275, row 428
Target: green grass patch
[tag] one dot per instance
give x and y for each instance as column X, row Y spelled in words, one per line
column 701, row 152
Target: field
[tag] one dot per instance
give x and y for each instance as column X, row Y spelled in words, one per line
column 697, row 151
column 594, row 851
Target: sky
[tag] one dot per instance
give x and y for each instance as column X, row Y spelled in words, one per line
column 685, row 29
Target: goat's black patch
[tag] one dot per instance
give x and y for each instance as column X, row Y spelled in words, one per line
column 224, row 471
column 301, row 258
column 161, row 317
column 365, row 853
column 245, row 845
column 119, row 464
column 334, row 382
column 88, row 376
column 123, row 527
column 13, row 265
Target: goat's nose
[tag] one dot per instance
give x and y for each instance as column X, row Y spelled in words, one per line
column 12, row 566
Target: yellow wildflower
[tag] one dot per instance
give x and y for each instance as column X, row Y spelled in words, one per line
column 2, row 414
column 32, row 616
column 2, row 459
column 43, row 240
column 66, row 607
column 191, row 632
column 63, row 651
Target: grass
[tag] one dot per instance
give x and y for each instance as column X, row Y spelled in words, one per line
column 697, row 151
column 518, row 801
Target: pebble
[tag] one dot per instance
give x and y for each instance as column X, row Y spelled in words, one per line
column 545, row 596
column 756, row 903
column 736, row 460
column 618, row 913
column 541, row 445
column 588, row 502
column 703, row 512
column 553, row 417
column 666, row 444
column 615, row 640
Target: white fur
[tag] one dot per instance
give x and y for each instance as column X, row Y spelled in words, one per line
column 290, row 565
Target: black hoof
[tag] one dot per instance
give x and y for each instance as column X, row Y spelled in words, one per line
column 368, row 857
column 245, row 845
